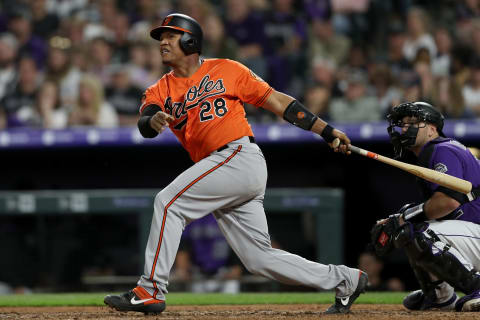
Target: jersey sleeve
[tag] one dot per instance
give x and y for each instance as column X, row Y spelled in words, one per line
column 447, row 161
column 249, row 87
column 151, row 96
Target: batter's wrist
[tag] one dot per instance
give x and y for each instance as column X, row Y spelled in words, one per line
column 144, row 127
column 327, row 133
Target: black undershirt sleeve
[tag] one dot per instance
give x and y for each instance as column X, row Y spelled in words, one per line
column 144, row 122
column 460, row 197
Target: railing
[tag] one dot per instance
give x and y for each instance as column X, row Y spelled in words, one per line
column 463, row 130
column 325, row 203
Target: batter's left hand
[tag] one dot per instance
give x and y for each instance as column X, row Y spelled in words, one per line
column 344, row 142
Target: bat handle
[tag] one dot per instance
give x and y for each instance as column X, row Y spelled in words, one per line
column 363, row 152
column 355, row 149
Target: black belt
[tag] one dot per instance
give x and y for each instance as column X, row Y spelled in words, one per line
column 252, row 140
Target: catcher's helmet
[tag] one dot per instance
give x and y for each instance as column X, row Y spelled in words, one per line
column 191, row 40
column 423, row 112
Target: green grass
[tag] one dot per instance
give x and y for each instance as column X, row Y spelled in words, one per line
column 96, row 299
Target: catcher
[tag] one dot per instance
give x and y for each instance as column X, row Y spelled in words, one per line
column 441, row 236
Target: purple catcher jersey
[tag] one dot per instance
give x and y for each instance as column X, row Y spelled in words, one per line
column 451, row 157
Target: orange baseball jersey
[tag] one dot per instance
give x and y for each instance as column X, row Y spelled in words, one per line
column 208, row 106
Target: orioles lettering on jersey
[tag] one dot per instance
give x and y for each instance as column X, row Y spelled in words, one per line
column 196, row 96
column 208, row 106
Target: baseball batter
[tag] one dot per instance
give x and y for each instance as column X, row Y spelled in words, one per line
column 201, row 101
column 441, row 236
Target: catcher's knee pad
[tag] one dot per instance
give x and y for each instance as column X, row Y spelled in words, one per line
column 434, row 256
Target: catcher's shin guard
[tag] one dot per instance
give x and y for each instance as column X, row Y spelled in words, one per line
column 435, row 257
column 426, row 284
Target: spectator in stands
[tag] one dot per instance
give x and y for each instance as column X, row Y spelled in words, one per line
column 101, row 51
column 395, row 58
column 246, row 27
column 350, row 17
column 64, row 9
column 286, row 33
column 447, row 96
column 61, row 71
column 356, row 105
column 441, row 62
column 383, row 87
column 422, row 67
column 18, row 106
column 123, row 96
column 121, row 43
column 79, row 59
column 462, row 57
column 109, row 15
column 197, row 9
column 148, row 10
column 317, row 98
column 475, row 37
column 155, row 68
column 418, row 35
column 8, row 53
column 323, row 72
column 49, row 108
column 217, row 44
column 91, row 108
column 317, row 9
column 205, row 259
column 373, row 266
column 324, row 43
column 20, row 24
column 147, row 15
column 411, row 87
column 74, row 29
column 467, row 9
column 358, row 57
column 46, row 23
column 471, row 91
column 138, row 59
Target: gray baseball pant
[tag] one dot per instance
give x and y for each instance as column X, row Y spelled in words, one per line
column 231, row 184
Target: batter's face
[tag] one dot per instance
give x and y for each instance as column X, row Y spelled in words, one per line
column 170, row 48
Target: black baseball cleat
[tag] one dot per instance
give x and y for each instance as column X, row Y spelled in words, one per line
column 138, row 300
column 342, row 305
column 417, row 300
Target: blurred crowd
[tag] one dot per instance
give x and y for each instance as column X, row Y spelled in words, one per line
column 67, row 63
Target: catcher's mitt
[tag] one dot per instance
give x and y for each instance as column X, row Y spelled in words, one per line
column 382, row 236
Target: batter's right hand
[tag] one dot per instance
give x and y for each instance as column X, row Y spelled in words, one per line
column 160, row 120
column 344, row 142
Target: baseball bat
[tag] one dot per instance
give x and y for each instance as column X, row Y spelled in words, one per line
column 437, row 177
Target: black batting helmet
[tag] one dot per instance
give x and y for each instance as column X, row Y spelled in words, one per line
column 191, row 40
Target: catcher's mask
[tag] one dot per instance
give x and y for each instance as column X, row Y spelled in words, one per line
column 192, row 35
column 423, row 112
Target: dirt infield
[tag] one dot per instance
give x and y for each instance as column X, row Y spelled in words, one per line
column 297, row 312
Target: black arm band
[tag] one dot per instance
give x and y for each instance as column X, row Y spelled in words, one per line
column 327, row 133
column 144, row 122
column 144, row 127
column 299, row 116
column 415, row 214
column 460, row 197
